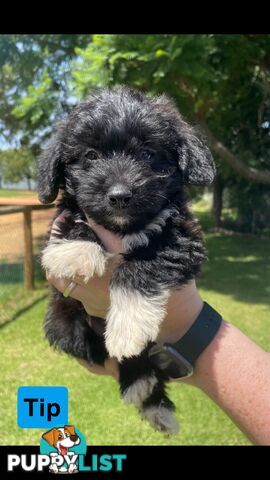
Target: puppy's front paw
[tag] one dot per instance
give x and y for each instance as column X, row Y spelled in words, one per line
column 68, row 258
column 133, row 321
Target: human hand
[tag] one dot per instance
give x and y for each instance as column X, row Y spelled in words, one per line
column 183, row 305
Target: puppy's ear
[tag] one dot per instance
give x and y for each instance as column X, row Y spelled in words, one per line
column 194, row 157
column 49, row 436
column 70, row 429
column 50, row 169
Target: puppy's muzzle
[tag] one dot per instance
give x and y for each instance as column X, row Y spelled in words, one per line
column 119, row 196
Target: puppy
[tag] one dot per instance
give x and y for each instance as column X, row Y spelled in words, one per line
column 123, row 159
column 62, row 439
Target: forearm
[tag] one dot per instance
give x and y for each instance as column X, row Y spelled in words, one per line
column 235, row 373
column 233, row 370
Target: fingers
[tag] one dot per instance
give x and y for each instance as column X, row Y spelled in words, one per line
column 110, row 368
column 78, row 292
column 93, row 296
column 96, row 369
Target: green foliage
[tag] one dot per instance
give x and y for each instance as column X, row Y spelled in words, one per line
column 34, row 91
column 37, row 101
column 17, row 164
column 252, row 202
column 223, row 79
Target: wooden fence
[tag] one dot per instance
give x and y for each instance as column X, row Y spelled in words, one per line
column 26, row 210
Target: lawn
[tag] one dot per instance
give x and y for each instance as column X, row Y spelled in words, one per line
column 236, row 281
column 4, row 192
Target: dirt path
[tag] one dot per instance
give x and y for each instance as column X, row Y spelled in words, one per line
column 19, row 201
column 11, row 232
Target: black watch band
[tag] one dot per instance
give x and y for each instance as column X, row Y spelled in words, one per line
column 178, row 359
column 200, row 334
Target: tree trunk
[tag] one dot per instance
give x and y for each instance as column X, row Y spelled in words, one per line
column 251, row 174
column 28, row 183
column 218, row 200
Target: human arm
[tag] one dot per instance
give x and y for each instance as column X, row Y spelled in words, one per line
column 233, row 371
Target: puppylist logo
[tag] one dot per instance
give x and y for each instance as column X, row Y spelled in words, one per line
column 63, row 450
column 63, row 445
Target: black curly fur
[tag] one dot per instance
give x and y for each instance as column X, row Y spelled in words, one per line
column 144, row 143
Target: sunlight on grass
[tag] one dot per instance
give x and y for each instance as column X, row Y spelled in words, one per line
column 235, row 281
column 16, row 193
column 94, row 403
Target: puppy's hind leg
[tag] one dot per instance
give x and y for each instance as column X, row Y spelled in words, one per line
column 158, row 410
column 144, row 387
column 67, row 329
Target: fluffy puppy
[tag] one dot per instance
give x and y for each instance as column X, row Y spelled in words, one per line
column 122, row 159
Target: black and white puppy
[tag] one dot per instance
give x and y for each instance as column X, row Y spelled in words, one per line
column 122, row 159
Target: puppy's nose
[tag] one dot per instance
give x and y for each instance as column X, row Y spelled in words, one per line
column 119, row 195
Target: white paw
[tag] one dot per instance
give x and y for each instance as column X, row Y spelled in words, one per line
column 68, row 258
column 132, row 321
column 162, row 419
column 53, row 468
column 140, row 390
column 72, row 467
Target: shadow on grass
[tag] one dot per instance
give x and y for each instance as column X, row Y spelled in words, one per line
column 238, row 266
column 22, row 310
column 14, row 298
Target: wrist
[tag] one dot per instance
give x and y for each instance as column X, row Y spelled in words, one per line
column 178, row 359
column 183, row 308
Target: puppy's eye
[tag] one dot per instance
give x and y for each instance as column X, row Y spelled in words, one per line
column 91, row 154
column 67, row 434
column 60, row 437
column 147, row 154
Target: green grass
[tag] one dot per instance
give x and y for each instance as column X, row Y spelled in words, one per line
column 13, row 296
column 4, row 192
column 236, row 281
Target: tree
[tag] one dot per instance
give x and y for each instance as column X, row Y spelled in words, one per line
column 221, row 82
column 214, row 79
column 34, row 92
column 17, row 165
column 34, row 84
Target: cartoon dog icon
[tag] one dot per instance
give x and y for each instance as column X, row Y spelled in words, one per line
column 62, row 439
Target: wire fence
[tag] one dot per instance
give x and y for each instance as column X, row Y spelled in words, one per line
column 22, row 232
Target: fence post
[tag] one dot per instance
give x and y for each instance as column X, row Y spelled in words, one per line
column 28, row 249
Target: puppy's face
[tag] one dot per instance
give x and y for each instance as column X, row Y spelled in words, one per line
column 124, row 156
column 121, row 163
column 62, row 438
